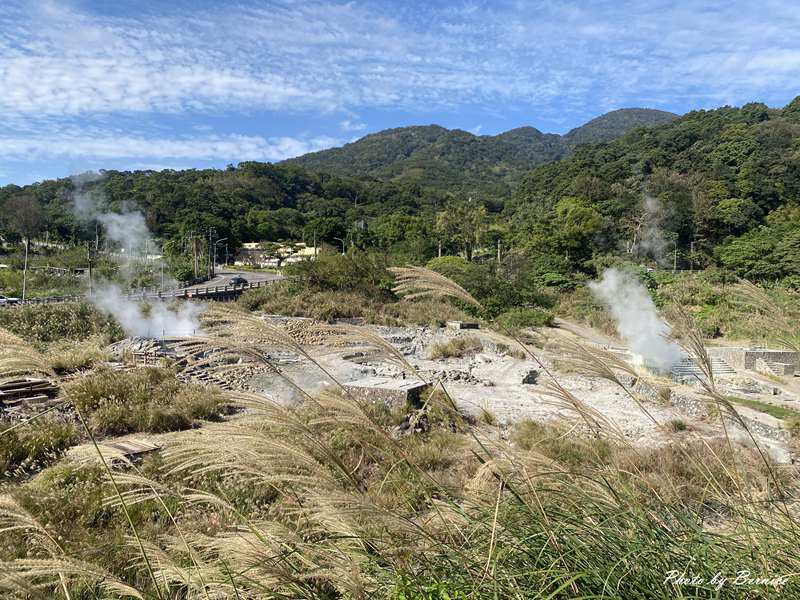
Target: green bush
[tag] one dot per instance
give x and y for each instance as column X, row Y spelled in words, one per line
column 149, row 399
column 360, row 272
column 70, row 357
column 581, row 306
column 522, row 318
column 47, row 323
column 457, row 347
column 496, row 293
column 284, row 298
column 30, row 447
column 40, row 283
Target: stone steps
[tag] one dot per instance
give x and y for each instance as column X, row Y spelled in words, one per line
column 203, row 376
column 688, row 368
column 777, row 369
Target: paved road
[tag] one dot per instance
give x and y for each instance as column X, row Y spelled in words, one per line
column 223, row 278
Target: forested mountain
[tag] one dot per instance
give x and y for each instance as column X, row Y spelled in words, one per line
column 719, row 186
column 616, row 123
column 254, row 201
column 453, row 159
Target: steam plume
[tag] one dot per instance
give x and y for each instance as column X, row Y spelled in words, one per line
column 129, row 230
column 637, row 320
column 154, row 321
column 126, row 228
column 653, row 243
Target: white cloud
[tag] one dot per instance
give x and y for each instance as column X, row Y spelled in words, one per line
column 324, row 56
column 352, row 125
column 67, row 74
column 114, row 147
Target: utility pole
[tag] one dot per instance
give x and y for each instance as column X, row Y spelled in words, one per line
column 217, row 243
column 194, row 255
column 210, row 250
column 691, row 257
column 675, row 258
column 25, row 269
column 89, row 258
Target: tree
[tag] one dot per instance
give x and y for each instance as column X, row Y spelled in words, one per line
column 279, row 251
column 24, row 214
column 462, row 223
column 577, row 222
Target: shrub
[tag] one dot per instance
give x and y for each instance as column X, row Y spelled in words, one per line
column 69, row 357
column 522, row 318
column 285, row 299
column 30, row 447
column 46, row 323
column 456, row 348
column 434, row 312
column 149, row 399
column 678, row 425
column 581, row 306
column 365, row 273
column 495, row 293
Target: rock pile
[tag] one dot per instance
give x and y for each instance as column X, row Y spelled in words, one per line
column 133, row 347
column 414, row 422
column 306, row 333
column 455, row 376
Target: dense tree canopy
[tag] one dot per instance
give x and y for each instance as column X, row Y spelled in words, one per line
column 720, row 185
column 712, row 187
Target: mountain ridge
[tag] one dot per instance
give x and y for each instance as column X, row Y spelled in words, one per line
column 457, row 160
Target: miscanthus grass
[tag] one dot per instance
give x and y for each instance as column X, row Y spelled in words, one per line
column 322, row 501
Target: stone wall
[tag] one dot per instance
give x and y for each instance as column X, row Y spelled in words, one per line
column 397, row 394
column 733, row 356
column 745, row 358
column 780, row 369
column 697, row 407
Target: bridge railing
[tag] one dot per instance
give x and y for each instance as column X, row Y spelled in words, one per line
column 208, row 292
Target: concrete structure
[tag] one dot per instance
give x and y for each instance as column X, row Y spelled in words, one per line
column 778, row 369
column 397, row 394
column 780, row 362
column 462, row 325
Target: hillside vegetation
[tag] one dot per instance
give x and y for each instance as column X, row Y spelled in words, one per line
column 457, row 160
column 713, row 187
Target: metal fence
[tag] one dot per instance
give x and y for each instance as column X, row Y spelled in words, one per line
column 210, row 292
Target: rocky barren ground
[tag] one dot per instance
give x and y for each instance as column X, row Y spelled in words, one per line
column 490, row 380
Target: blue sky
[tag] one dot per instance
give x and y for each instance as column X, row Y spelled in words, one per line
column 88, row 84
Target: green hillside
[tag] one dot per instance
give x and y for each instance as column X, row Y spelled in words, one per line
column 719, row 187
column 614, row 124
column 457, row 160
column 724, row 184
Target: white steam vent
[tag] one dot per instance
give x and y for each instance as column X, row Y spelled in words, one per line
column 129, row 230
column 156, row 320
column 637, row 319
